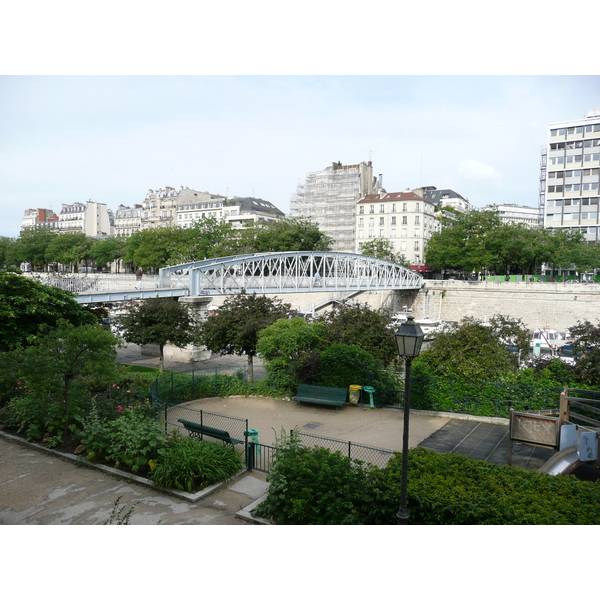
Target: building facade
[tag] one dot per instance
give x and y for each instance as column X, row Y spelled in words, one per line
column 445, row 198
column 94, row 219
column 39, row 217
column 128, row 220
column 406, row 219
column 329, row 198
column 514, row 214
column 571, row 176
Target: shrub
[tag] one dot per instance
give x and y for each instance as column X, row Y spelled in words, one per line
column 189, row 464
column 449, row 489
column 314, row 486
column 132, row 439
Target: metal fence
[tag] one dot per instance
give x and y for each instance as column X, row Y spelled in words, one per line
column 378, row 457
column 168, row 416
column 173, row 388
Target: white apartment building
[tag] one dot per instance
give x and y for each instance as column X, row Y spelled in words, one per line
column 444, row 198
column 406, row 219
column 39, row 217
column 570, row 176
column 514, row 214
column 94, row 219
column 128, row 220
column 234, row 210
column 329, row 198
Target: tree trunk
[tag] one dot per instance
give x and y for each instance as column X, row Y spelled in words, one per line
column 250, row 369
column 161, row 359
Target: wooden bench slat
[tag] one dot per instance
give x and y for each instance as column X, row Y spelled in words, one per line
column 198, row 429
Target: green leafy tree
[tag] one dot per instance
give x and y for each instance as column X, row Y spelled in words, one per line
column 26, row 306
column 8, row 257
column 153, row 248
column 69, row 249
column 284, row 235
column 236, row 326
column 587, row 342
column 291, row 351
column 354, row 323
column 55, row 362
column 382, row 248
column 32, row 244
column 207, row 238
column 158, row 321
column 107, row 251
column 472, row 351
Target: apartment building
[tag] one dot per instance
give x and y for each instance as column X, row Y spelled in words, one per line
column 514, row 214
column 329, row 197
column 406, row 219
column 94, row 219
column 444, row 198
column 128, row 220
column 39, row 217
column 570, row 176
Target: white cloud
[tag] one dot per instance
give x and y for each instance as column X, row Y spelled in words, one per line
column 474, row 171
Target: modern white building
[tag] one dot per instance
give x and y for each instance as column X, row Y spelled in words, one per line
column 406, row 219
column 329, row 198
column 514, row 214
column 570, row 176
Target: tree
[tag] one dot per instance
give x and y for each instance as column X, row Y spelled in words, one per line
column 69, row 249
column 153, row 248
column 207, row 238
column 158, row 321
column 382, row 248
column 26, row 305
column 290, row 349
column 32, row 244
column 107, row 251
column 52, row 365
column 354, row 323
column 235, row 328
column 284, row 235
column 472, row 351
column 587, row 342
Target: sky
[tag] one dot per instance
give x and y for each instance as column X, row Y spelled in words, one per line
column 108, row 138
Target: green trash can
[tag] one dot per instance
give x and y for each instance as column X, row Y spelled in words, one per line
column 370, row 390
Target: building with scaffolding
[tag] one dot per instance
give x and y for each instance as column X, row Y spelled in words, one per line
column 570, row 176
column 329, row 198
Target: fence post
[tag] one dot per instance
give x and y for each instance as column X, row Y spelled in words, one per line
column 349, row 449
column 250, row 455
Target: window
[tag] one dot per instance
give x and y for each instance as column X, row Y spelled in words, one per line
column 557, row 160
column 402, row 245
column 361, row 222
column 393, row 208
column 590, row 186
column 381, row 233
column 404, row 207
column 417, row 219
column 417, row 232
column 382, row 208
column 404, row 220
column 361, row 210
column 393, row 220
column 416, row 245
column 371, row 222
column 381, row 221
column 418, row 206
column 393, row 233
column 371, row 209
column 589, row 157
column 403, row 233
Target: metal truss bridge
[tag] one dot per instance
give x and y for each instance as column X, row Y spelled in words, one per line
column 270, row 273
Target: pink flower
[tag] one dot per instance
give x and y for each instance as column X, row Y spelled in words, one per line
column 119, row 408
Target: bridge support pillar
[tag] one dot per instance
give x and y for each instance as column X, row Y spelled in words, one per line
column 200, row 309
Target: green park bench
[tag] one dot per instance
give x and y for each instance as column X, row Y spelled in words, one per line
column 317, row 394
column 199, row 431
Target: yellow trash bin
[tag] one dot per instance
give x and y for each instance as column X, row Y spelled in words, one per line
column 354, row 393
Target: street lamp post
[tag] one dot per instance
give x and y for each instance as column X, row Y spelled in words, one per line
column 409, row 339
